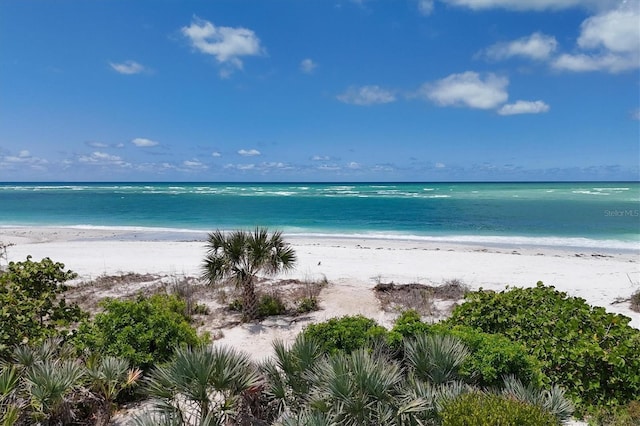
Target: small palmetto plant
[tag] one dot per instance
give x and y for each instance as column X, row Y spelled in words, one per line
column 49, row 384
column 107, row 377
column 435, row 358
column 551, row 400
column 288, row 374
column 201, row 386
column 363, row 389
column 10, row 403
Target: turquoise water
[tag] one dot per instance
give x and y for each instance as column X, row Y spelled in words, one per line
column 590, row 214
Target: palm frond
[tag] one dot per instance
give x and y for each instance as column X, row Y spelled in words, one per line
column 435, row 358
column 203, row 383
column 552, row 400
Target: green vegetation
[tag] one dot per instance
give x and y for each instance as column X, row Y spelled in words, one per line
column 493, row 362
column 345, row 334
column 30, row 309
column 47, row 384
column 200, row 386
column 307, row 304
column 240, row 256
column 635, row 301
column 485, row 409
column 145, row 331
column 370, row 386
column 492, row 356
column 595, row 355
column 270, row 306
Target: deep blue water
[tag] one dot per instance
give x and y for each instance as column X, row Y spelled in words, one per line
column 604, row 213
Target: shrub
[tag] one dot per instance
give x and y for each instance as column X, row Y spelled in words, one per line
column 270, row 305
column 492, row 357
column 408, row 324
column 620, row 416
column 30, row 307
column 480, row 409
column 307, row 304
column 145, row 331
column 345, row 334
column 635, row 301
column 595, row 355
column 235, row 305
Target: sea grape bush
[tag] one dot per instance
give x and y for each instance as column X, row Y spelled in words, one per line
column 595, row 355
column 485, row 409
column 145, row 331
column 345, row 334
column 492, row 356
column 30, row 307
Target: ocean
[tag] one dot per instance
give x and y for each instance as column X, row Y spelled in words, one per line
column 594, row 214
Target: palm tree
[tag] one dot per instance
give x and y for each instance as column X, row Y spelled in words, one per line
column 241, row 255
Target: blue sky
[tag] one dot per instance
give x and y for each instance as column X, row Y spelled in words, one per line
column 319, row 90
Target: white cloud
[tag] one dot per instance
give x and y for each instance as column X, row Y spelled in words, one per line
column 425, row 7
column 23, row 158
column 366, row 95
column 609, row 41
column 617, row 30
column 440, row 165
column 216, row 154
column 240, row 166
column 635, row 114
column 127, row 67
column 307, row 66
column 144, row 143
column 524, row 107
column 598, row 62
column 536, row 46
column 354, row 166
column 102, row 158
column 193, row 164
column 468, row 89
column 226, row 44
column 329, row 167
column 320, row 158
column 528, row 4
column 249, row 152
column 93, row 144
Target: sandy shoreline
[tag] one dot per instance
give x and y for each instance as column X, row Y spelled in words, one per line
column 352, row 265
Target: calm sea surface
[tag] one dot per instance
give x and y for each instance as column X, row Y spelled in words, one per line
column 584, row 214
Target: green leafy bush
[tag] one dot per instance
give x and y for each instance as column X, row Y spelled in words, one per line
column 30, row 307
column 270, row 305
column 146, row 331
column 492, row 356
column 345, row 334
column 481, row 409
column 408, row 324
column 595, row 355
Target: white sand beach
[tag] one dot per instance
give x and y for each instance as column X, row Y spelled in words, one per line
column 351, row 266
